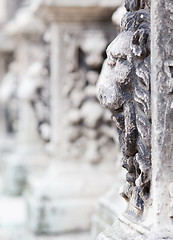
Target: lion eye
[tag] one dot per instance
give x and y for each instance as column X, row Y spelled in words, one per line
column 122, row 59
column 112, row 60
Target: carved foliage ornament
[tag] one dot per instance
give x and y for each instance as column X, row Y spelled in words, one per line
column 124, row 88
column 87, row 136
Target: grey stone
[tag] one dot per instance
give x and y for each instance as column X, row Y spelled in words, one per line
column 124, row 88
column 149, row 188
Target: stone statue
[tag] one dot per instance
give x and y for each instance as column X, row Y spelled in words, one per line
column 124, row 88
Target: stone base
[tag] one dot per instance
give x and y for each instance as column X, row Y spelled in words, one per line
column 17, row 167
column 23, row 234
column 7, row 144
column 13, row 218
column 49, row 216
column 125, row 229
column 12, row 213
column 109, row 207
column 66, row 201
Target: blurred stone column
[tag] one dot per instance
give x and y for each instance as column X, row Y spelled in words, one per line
column 56, row 69
column 29, row 155
column 80, row 173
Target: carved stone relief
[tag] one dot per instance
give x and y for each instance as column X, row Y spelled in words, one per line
column 41, row 102
column 124, row 88
column 34, row 92
column 8, row 99
column 87, row 127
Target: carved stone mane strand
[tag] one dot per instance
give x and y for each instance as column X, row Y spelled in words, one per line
column 139, row 23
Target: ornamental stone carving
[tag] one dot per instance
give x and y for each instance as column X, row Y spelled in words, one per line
column 8, row 99
column 41, row 101
column 140, row 101
column 87, row 136
column 124, row 88
column 34, row 89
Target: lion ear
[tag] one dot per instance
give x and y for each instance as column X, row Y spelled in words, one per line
column 142, row 4
column 132, row 5
column 135, row 5
column 139, row 45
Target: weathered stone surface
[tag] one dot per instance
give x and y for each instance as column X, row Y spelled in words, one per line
column 124, row 88
column 80, row 131
column 53, row 211
column 118, row 14
column 83, row 135
column 162, row 127
column 109, row 208
column 85, row 11
column 25, row 77
column 12, row 223
column 150, row 185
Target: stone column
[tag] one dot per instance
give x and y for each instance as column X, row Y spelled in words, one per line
column 162, row 112
column 79, row 163
column 57, row 66
column 29, row 153
column 124, row 88
column 140, row 103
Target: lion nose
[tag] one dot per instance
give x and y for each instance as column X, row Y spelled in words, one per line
column 107, row 96
column 108, row 92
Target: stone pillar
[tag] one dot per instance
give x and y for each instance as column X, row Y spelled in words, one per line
column 57, row 65
column 162, row 122
column 77, row 134
column 28, row 66
column 140, row 98
column 124, row 88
